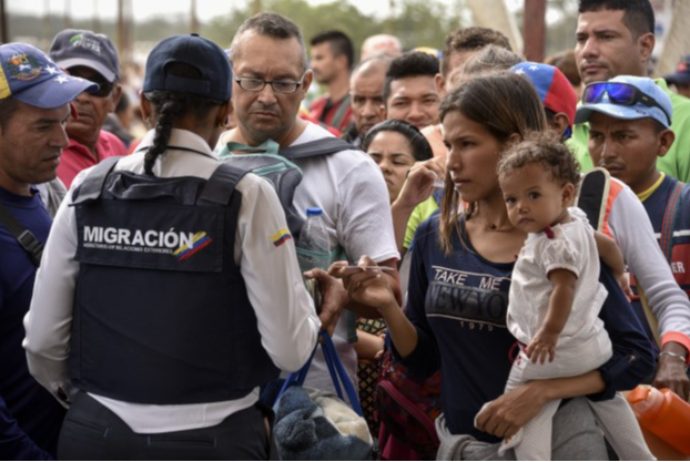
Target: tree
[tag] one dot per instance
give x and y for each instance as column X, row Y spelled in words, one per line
column 420, row 22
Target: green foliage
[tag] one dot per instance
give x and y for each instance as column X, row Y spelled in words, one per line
column 415, row 22
column 418, row 22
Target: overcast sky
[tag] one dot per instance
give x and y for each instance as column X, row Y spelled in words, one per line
column 145, row 9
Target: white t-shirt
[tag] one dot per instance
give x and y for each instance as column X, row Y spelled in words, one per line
column 583, row 342
column 349, row 187
column 350, row 190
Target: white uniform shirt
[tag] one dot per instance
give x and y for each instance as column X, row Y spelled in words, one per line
column 285, row 312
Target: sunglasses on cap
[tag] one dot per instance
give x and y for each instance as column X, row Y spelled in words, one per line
column 105, row 89
column 620, row 93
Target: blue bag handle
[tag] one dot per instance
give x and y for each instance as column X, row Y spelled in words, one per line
column 336, row 369
column 329, row 350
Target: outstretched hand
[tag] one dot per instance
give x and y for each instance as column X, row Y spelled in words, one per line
column 367, row 286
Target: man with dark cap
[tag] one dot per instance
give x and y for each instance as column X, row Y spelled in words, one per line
column 92, row 57
column 681, row 78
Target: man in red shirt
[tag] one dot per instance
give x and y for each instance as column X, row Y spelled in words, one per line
column 92, row 57
column 332, row 57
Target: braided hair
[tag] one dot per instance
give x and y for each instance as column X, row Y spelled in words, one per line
column 169, row 106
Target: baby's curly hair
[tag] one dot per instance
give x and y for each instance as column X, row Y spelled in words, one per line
column 543, row 149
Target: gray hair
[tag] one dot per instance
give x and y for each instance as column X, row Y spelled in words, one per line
column 271, row 25
column 492, row 59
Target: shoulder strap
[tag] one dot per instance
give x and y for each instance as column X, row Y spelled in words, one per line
column 92, row 186
column 339, row 115
column 26, row 238
column 322, row 147
column 221, row 185
column 669, row 222
column 336, row 369
column 593, row 197
column 666, row 243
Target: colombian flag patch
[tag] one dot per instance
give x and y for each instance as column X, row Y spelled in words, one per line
column 281, row 237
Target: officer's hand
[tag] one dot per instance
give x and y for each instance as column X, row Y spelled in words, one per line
column 334, row 298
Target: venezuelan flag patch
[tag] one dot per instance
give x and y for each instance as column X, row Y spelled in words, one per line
column 281, row 237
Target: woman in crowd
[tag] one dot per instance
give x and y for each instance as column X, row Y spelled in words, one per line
column 395, row 146
column 462, row 262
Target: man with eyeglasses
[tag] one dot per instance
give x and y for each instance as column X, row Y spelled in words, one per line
column 616, row 37
column 629, row 129
column 92, row 57
column 271, row 80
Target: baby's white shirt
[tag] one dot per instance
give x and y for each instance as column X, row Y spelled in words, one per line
column 572, row 248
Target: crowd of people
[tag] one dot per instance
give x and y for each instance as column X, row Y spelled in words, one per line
column 511, row 236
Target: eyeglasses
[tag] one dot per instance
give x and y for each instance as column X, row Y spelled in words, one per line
column 623, row 94
column 257, row 85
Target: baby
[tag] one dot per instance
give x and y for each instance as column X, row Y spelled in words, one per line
column 555, row 293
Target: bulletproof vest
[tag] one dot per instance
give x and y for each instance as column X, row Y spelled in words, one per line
column 161, row 313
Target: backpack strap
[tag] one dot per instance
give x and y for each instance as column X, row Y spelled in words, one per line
column 336, row 369
column 24, row 237
column 322, row 147
column 92, row 186
column 339, row 115
column 668, row 224
column 669, row 221
column 221, row 185
column 593, row 197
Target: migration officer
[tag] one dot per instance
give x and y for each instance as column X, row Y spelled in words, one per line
column 169, row 290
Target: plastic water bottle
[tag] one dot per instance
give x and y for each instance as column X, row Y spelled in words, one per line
column 664, row 414
column 314, row 247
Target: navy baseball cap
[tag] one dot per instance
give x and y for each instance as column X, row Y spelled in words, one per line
column 204, row 55
column 682, row 74
column 649, row 102
column 29, row 76
column 73, row 47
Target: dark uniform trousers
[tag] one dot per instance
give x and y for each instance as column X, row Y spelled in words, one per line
column 93, row 432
